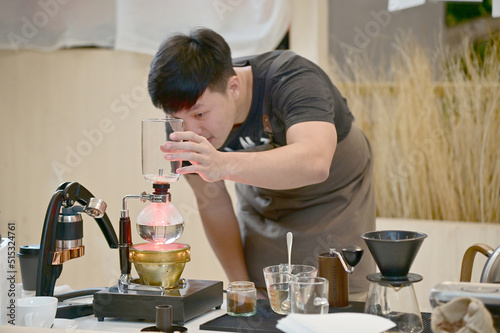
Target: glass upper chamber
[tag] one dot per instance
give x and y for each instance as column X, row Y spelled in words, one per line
column 155, row 132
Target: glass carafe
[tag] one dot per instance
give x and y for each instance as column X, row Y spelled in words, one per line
column 396, row 302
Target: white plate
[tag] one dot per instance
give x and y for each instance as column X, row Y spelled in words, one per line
column 65, row 324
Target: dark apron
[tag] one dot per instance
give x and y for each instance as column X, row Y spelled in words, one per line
column 330, row 214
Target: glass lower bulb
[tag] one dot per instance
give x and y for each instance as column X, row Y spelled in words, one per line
column 160, row 223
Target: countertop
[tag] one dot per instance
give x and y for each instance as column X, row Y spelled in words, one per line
column 91, row 324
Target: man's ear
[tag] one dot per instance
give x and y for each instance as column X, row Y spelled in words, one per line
column 233, row 85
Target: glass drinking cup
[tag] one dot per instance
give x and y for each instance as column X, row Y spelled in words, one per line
column 277, row 278
column 277, row 290
column 309, row 295
column 297, row 270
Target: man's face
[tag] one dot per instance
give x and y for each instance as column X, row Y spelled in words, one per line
column 212, row 116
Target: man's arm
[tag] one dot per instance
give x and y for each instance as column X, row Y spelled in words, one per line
column 221, row 226
column 305, row 160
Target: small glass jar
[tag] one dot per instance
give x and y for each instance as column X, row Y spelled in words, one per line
column 241, row 299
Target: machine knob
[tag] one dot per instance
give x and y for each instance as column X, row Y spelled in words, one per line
column 95, row 208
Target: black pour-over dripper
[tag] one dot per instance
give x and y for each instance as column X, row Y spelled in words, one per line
column 394, row 251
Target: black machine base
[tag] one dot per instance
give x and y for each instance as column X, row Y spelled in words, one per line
column 189, row 301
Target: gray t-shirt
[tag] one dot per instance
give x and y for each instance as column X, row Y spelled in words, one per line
column 299, row 91
column 333, row 213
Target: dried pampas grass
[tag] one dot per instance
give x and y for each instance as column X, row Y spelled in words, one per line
column 433, row 119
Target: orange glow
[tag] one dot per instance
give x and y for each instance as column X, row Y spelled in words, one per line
column 160, row 246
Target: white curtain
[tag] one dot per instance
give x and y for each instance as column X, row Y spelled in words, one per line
column 52, row 24
column 249, row 26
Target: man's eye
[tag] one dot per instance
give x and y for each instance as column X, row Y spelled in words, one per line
column 199, row 115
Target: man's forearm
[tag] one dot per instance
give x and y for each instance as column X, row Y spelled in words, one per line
column 221, row 226
column 223, row 234
column 304, row 160
column 301, row 162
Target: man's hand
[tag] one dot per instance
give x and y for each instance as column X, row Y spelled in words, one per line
column 205, row 159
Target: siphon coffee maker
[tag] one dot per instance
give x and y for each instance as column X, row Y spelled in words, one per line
column 391, row 294
column 160, row 260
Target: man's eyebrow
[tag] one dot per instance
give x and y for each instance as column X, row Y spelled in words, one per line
column 192, row 109
column 195, row 107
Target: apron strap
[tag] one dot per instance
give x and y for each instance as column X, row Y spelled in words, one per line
column 277, row 63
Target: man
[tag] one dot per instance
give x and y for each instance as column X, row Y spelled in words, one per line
column 311, row 175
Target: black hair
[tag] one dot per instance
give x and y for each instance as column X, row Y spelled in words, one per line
column 185, row 66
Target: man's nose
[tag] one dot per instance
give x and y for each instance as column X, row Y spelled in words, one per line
column 192, row 126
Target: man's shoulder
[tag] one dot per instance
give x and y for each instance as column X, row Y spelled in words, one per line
column 256, row 59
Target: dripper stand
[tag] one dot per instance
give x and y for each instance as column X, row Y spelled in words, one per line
column 391, row 294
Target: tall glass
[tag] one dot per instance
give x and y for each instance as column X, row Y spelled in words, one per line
column 155, row 132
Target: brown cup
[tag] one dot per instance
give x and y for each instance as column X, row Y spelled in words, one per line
column 330, row 268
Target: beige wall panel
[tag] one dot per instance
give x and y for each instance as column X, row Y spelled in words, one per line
column 75, row 115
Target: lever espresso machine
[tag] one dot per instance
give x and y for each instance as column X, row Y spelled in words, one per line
column 62, row 232
column 61, row 241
